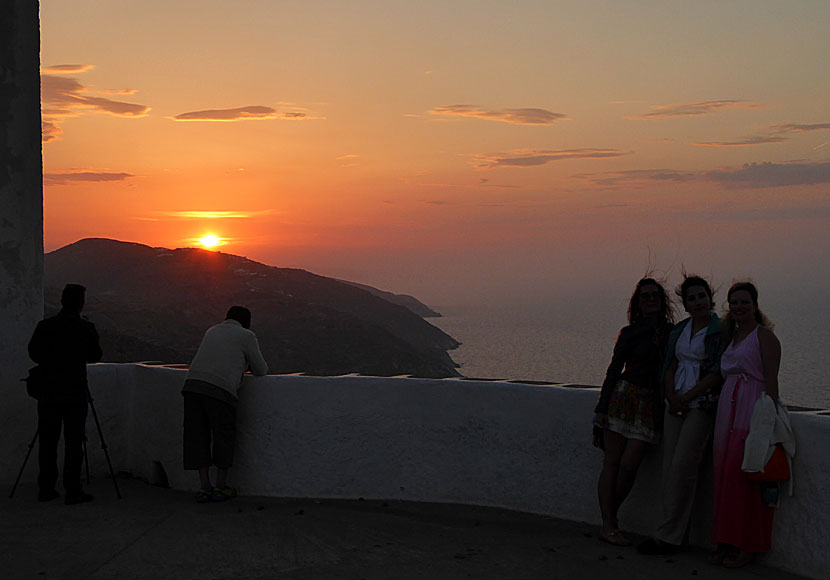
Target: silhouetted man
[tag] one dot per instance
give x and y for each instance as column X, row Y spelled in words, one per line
column 63, row 345
column 210, row 397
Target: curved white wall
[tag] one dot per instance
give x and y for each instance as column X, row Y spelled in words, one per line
column 516, row 446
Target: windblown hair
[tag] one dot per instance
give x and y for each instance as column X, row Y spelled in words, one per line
column 690, row 280
column 666, row 311
column 760, row 317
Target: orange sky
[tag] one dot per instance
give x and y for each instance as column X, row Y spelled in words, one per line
column 432, row 148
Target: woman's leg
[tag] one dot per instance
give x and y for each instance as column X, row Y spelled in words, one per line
column 629, row 464
column 607, row 486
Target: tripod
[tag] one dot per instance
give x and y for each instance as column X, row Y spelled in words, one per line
column 91, row 402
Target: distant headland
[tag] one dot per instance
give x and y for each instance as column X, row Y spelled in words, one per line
column 155, row 304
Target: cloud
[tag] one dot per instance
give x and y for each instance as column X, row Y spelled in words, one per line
column 252, row 112
column 49, row 130
column 794, row 128
column 770, row 174
column 527, row 116
column 534, row 158
column 660, row 112
column 213, row 215
column 84, row 176
column 750, row 175
column 630, row 176
column 59, row 69
column 65, row 97
column 745, row 142
column 118, row 91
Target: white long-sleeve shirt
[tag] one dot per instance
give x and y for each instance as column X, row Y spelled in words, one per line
column 226, row 352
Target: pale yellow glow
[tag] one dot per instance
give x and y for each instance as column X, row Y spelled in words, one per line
column 210, row 241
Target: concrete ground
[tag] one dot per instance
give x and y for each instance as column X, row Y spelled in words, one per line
column 158, row 534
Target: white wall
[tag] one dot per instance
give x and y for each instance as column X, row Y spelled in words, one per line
column 516, row 446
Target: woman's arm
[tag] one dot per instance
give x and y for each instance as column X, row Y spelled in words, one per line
column 615, row 369
column 770, row 359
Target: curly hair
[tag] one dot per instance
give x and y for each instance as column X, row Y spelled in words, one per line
column 666, row 310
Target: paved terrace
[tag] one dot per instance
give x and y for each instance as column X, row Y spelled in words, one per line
column 427, row 456
column 156, row 533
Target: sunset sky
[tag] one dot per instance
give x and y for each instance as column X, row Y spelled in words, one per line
column 455, row 150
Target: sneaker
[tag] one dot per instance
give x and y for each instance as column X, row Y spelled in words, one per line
column 77, row 497
column 223, row 494
column 203, row 496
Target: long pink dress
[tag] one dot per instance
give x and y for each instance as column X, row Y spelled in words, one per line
column 740, row 518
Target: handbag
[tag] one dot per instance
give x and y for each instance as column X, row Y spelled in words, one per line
column 776, row 469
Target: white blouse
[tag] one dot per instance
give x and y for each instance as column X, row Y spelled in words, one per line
column 690, row 352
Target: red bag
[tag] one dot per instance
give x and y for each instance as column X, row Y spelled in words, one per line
column 776, row 469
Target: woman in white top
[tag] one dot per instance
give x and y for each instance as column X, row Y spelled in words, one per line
column 692, row 381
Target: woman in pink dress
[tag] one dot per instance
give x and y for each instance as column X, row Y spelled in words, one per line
column 742, row 525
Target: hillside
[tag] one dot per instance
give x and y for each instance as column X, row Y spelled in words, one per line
column 155, row 304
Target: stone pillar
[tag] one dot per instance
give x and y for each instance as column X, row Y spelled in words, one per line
column 21, row 222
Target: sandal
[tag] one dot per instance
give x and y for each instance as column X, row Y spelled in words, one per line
column 615, row 538
column 203, row 495
column 719, row 554
column 738, row 560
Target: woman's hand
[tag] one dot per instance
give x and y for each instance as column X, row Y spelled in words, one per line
column 676, row 405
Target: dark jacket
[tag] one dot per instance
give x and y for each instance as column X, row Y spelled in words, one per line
column 63, row 345
column 637, row 358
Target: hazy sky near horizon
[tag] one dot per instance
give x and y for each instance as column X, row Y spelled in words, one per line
column 462, row 151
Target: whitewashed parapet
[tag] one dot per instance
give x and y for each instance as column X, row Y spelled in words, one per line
column 517, row 446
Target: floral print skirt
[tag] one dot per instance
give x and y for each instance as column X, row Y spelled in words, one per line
column 631, row 412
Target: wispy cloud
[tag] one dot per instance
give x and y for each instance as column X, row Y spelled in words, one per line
column 795, row 128
column 769, row 174
column 63, row 69
column 750, row 175
column 635, row 176
column 253, row 112
column 214, row 215
column 63, row 97
column 660, row 112
column 532, row 158
column 118, row 91
column 62, row 178
column 526, row 116
column 745, row 142
column 50, row 130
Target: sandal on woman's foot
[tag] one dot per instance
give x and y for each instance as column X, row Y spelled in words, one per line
column 719, row 554
column 615, row 538
column 738, row 560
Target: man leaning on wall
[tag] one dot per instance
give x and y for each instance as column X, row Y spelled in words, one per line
column 227, row 351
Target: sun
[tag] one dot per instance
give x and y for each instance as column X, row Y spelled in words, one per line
column 210, row 241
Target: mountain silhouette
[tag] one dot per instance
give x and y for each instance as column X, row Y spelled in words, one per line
column 154, row 304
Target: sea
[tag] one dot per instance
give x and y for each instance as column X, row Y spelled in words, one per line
column 573, row 344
